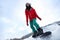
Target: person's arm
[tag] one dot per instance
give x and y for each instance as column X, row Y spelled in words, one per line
column 37, row 15
column 26, row 18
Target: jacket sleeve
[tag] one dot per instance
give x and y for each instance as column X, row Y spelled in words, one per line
column 36, row 15
column 26, row 17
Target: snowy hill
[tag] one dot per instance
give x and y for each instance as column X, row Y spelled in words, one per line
column 53, row 27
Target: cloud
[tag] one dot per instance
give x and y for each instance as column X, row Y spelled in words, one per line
column 6, row 20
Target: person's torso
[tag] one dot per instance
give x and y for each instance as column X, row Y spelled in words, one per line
column 31, row 14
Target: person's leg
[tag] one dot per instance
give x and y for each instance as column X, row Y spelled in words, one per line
column 31, row 25
column 36, row 24
column 40, row 31
column 33, row 29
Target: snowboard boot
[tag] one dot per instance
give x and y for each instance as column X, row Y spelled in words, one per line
column 34, row 34
column 40, row 31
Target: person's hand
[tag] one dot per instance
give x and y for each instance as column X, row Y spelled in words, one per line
column 40, row 19
column 27, row 24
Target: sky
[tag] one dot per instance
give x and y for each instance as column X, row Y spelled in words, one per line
column 12, row 16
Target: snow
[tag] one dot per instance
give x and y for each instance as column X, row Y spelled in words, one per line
column 54, row 28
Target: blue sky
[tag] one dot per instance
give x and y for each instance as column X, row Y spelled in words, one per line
column 12, row 15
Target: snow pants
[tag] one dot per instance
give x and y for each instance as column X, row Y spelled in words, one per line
column 34, row 25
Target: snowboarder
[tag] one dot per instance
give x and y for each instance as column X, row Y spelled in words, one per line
column 32, row 15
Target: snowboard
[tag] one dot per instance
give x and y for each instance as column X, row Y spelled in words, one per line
column 44, row 34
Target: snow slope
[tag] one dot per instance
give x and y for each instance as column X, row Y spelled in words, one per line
column 54, row 28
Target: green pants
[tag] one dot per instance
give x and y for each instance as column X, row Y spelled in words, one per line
column 33, row 25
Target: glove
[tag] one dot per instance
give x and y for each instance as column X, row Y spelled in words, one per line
column 27, row 24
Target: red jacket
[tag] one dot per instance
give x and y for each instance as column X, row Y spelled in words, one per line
column 31, row 14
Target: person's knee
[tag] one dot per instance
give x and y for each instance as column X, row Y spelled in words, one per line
column 35, row 23
column 31, row 26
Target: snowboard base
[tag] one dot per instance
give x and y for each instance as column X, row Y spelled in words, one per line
column 44, row 34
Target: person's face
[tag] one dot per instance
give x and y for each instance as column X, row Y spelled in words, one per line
column 27, row 5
